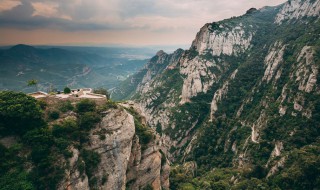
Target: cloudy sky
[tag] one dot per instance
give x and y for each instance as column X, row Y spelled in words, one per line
column 124, row 22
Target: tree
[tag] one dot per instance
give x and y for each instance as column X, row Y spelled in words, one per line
column 33, row 82
column 102, row 91
column 19, row 113
column 86, row 105
column 67, row 90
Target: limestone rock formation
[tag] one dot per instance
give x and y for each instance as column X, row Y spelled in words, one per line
column 122, row 162
column 297, row 9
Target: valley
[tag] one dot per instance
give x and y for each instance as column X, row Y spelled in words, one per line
column 57, row 67
column 239, row 109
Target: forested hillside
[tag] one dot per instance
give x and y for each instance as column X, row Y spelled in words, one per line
column 240, row 108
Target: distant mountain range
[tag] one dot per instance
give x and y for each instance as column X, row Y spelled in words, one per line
column 57, row 67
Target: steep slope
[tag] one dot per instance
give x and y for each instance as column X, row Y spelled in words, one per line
column 141, row 80
column 77, row 144
column 244, row 98
column 181, row 96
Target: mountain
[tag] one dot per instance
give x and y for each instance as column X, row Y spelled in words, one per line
column 240, row 108
column 56, row 67
column 155, row 66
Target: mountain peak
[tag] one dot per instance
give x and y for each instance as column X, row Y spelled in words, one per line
column 251, row 10
column 160, row 52
column 22, row 48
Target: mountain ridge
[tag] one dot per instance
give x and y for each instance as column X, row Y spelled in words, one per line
column 56, row 68
column 239, row 109
column 240, row 97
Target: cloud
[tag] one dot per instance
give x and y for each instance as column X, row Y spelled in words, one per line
column 8, row 4
column 49, row 10
column 121, row 16
column 57, row 15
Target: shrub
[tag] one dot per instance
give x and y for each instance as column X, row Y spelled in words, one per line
column 88, row 120
column 92, row 160
column 86, row 105
column 148, row 187
column 53, row 114
column 67, row 129
column 42, row 104
column 67, row 90
column 102, row 91
column 19, row 113
column 65, row 106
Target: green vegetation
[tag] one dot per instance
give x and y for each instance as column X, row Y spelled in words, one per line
column 67, row 90
column 156, row 66
column 65, row 106
column 225, row 154
column 213, row 152
column 86, row 105
column 92, row 159
column 142, row 131
column 148, row 187
column 18, row 113
column 102, row 91
column 32, row 82
column 53, row 114
column 301, row 172
column 43, row 145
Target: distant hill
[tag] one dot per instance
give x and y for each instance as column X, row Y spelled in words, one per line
column 58, row 67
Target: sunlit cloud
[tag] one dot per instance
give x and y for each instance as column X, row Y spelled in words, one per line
column 49, row 9
column 6, row 5
column 117, row 21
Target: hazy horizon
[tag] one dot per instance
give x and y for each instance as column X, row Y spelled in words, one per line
column 103, row 23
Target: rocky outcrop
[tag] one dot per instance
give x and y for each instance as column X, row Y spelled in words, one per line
column 118, row 129
column 218, row 95
column 147, row 168
column 157, row 64
column 272, row 61
column 215, row 39
column 277, row 149
column 198, row 76
column 122, row 162
column 297, row 9
column 8, row 141
column 75, row 179
column 307, row 70
column 218, row 38
column 277, row 167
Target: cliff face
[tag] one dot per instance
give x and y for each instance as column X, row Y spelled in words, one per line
column 213, row 40
column 297, row 9
column 240, row 109
column 122, row 162
column 222, row 38
column 143, row 80
column 213, row 58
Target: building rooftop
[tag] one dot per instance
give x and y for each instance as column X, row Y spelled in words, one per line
column 75, row 93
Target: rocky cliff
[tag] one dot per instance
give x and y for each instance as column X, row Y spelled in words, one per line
column 240, row 109
column 123, row 164
column 242, row 95
column 78, row 144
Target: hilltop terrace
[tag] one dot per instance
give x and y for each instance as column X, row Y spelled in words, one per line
column 75, row 93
